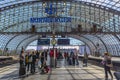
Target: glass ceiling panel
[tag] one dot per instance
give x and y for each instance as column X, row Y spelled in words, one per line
column 4, row 39
column 89, row 43
column 18, row 18
column 27, row 41
column 14, row 43
column 101, row 2
column 10, row 2
column 101, row 48
column 112, row 43
column 108, row 3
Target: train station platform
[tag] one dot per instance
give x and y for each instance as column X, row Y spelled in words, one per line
column 78, row 72
column 117, row 59
column 97, row 60
column 8, row 60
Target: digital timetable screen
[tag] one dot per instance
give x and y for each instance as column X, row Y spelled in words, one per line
column 63, row 41
column 43, row 42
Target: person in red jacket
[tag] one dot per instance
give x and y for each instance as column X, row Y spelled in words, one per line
column 52, row 53
column 52, row 58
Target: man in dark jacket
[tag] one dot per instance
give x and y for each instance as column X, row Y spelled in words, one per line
column 33, row 61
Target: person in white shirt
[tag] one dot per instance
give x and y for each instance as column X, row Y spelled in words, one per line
column 107, row 60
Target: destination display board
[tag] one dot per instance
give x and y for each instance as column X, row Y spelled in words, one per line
column 63, row 41
column 43, row 42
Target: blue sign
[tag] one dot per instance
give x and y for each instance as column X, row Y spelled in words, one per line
column 50, row 11
column 50, row 19
column 63, row 41
column 43, row 42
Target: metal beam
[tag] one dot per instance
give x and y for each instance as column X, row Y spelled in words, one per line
column 90, row 41
column 29, row 42
column 81, row 2
column 118, row 39
column 35, row 39
column 60, row 33
column 102, row 42
column 22, row 41
column 85, row 41
column 8, row 43
column 13, row 25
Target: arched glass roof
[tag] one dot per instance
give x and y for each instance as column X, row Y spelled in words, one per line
column 105, row 14
column 17, row 18
column 114, row 4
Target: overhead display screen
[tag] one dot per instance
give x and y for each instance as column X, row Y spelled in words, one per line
column 63, row 41
column 43, row 42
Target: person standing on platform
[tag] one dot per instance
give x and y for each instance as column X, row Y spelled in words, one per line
column 51, row 58
column 85, row 59
column 37, row 55
column 30, row 62
column 22, row 70
column 27, row 61
column 33, row 62
column 43, row 59
column 107, row 62
column 76, row 57
column 71, row 58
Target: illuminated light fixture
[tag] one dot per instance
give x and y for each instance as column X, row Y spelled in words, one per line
column 64, row 3
column 44, row 4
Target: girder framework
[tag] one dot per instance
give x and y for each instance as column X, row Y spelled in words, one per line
column 15, row 26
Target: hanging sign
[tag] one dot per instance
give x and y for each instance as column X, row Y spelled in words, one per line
column 51, row 12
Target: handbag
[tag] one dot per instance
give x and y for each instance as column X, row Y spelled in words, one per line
column 109, row 65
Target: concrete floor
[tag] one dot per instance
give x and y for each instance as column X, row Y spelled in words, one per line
column 79, row 72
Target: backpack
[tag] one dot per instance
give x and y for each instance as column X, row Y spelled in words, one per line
column 109, row 63
column 30, row 58
column 26, row 58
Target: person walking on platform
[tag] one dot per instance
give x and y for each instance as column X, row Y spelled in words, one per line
column 106, row 62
